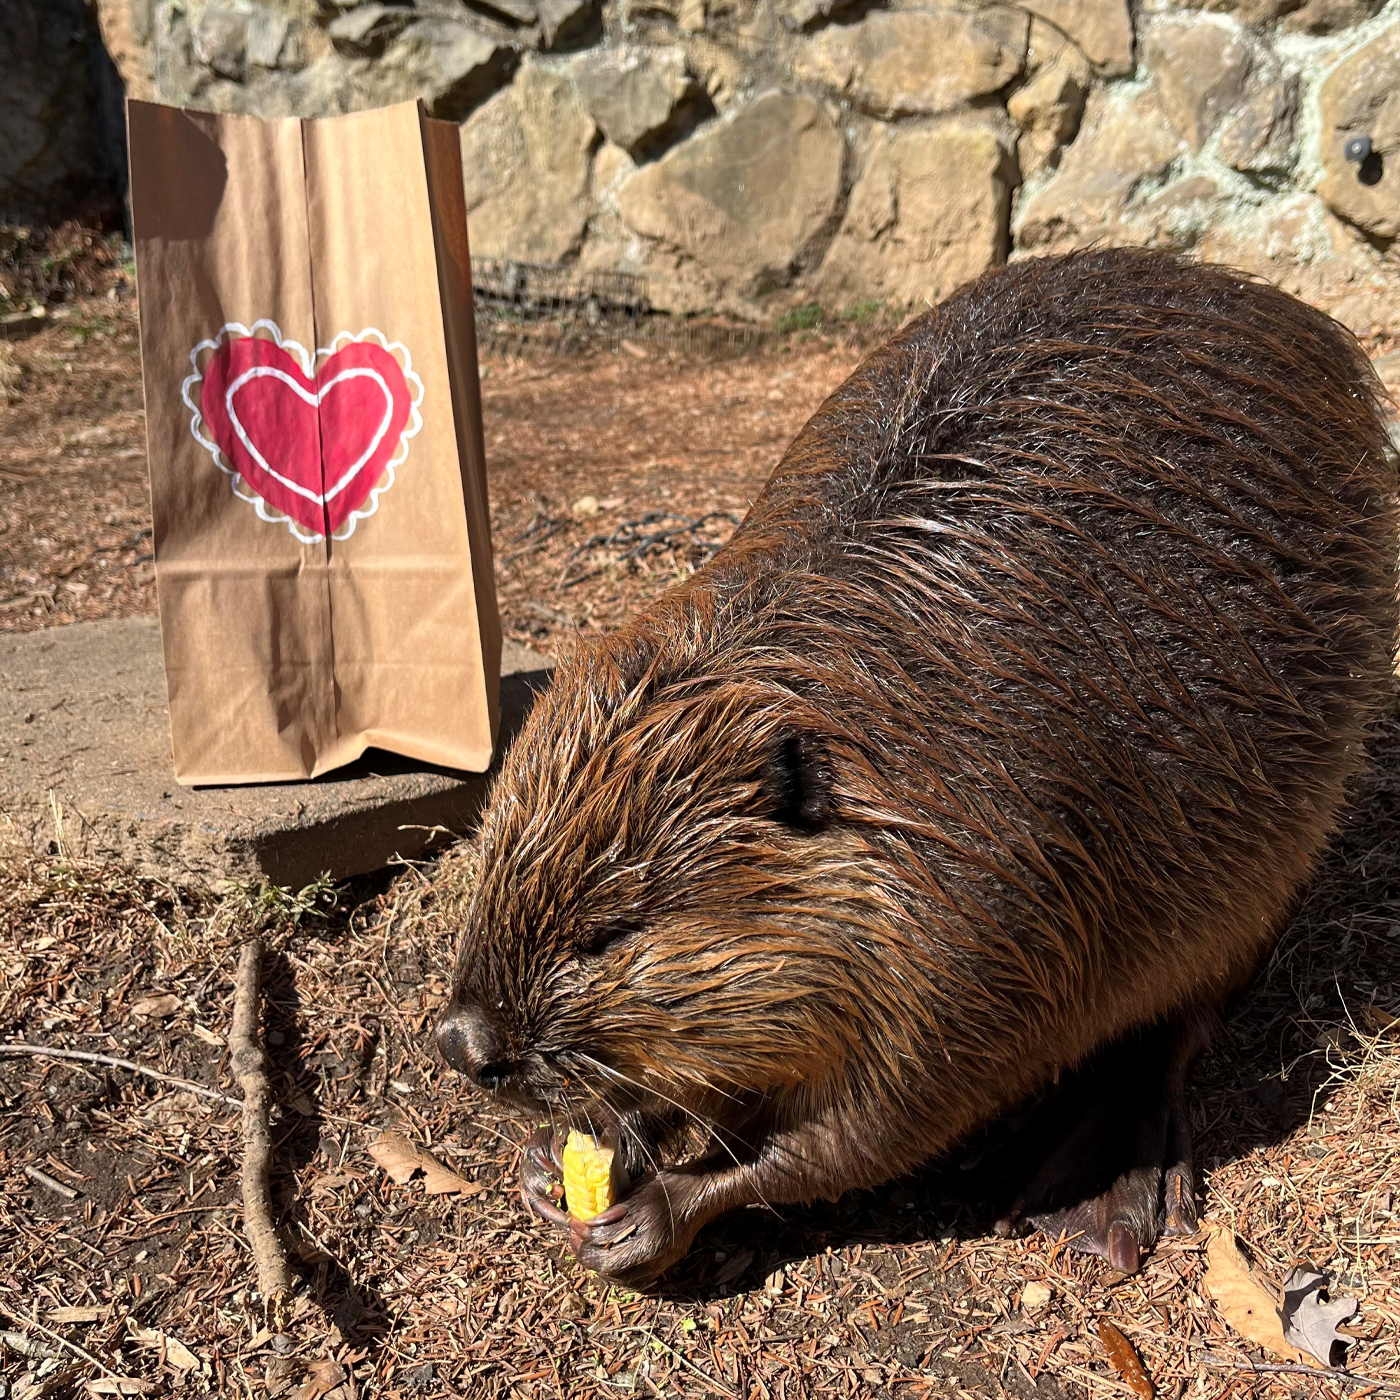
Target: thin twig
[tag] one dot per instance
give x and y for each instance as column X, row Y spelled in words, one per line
column 53, row 1183
column 250, row 1069
column 651, row 1335
column 88, row 1057
column 58, row 1339
column 1289, row 1369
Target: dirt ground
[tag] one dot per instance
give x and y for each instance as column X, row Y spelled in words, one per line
column 124, row 1268
column 121, row 1234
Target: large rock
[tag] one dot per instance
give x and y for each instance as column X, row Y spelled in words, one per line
column 1200, row 66
column 742, row 201
column 452, row 65
column 61, row 135
column 1294, row 242
column 1125, row 146
column 1047, row 112
column 127, row 36
column 918, row 62
column 1260, row 136
column 525, row 167
column 1102, row 29
column 1361, row 97
column 634, row 94
column 928, row 213
column 1047, row 107
column 85, row 732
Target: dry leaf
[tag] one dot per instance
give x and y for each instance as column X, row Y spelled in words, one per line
column 67, row 1316
column 171, row 1348
column 321, row 1377
column 1035, row 1296
column 1126, row 1361
column 402, row 1159
column 1245, row 1301
column 1308, row 1322
column 166, row 1005
column 120, row 1385
column 1378, row 1021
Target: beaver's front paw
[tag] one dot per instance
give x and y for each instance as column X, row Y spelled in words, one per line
column 542, row 1175
column 635, row 1241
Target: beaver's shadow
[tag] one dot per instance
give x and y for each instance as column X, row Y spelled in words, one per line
column 357, row 1310
column 1330, row 983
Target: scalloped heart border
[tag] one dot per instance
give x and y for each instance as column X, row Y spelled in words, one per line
column 309, row 363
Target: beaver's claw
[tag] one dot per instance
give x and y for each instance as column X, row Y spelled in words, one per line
column 634, row 1241
column 639, row 1238
column 542, row 1175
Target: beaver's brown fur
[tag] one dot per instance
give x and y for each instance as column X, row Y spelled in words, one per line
column 1013, row 718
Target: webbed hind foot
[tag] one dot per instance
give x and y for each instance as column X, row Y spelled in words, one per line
column 1114, row 1148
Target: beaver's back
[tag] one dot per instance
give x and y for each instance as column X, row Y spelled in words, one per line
column 1091, row 573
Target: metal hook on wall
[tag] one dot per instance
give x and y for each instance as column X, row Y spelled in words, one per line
column 1360, row 152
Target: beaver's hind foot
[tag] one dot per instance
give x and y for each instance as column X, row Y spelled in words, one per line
column 1114, row 1147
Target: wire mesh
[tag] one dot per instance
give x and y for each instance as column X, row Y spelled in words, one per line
column 525, row 308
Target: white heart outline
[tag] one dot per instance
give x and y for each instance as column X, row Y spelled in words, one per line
column 314, row 400
column 308, row 361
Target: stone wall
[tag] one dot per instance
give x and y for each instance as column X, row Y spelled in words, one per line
column 751, row 155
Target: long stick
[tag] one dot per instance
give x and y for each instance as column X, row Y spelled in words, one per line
column 88, row 1057
column 1265, row 1367
column 250, row 1069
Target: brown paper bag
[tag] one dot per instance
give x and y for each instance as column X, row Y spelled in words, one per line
column 313, row 421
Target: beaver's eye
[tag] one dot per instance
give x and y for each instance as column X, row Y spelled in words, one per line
column 598, row 940
column 797, row 783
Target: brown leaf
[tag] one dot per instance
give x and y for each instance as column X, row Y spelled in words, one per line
column 165, row 1005
column 321, row 1377
column 1379, row 1021
column 403, row 1159
column 1308, row 1322
column 1126, row 1361
column 171, row 1349
column 1245, row 1301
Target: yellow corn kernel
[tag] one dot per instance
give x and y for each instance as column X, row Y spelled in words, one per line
column 591, row 1173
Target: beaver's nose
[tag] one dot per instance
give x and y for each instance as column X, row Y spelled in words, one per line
column 473, row 1046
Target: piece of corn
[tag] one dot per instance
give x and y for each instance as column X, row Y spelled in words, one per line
column 592, row 1175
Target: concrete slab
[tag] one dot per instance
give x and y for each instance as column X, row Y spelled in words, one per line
column 85, row 759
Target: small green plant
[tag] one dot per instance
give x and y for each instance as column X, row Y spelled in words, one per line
column 863, row 313
column 270, row 904
column 800, row 318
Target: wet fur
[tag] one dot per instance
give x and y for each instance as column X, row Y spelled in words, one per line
column 1014, row 716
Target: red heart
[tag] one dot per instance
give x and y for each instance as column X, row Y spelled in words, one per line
column 312, row 448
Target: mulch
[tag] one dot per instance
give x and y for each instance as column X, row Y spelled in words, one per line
column 904, row 1291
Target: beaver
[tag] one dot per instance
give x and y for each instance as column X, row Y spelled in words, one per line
column 1007, row 727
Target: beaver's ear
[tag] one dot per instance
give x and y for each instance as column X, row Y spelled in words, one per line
column 797, row 782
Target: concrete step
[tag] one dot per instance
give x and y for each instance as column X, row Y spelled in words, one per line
column 85, row 764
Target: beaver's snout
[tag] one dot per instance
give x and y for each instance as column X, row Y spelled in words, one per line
column 473, row 1046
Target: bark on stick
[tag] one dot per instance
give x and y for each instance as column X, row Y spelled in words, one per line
column 250, row 1069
